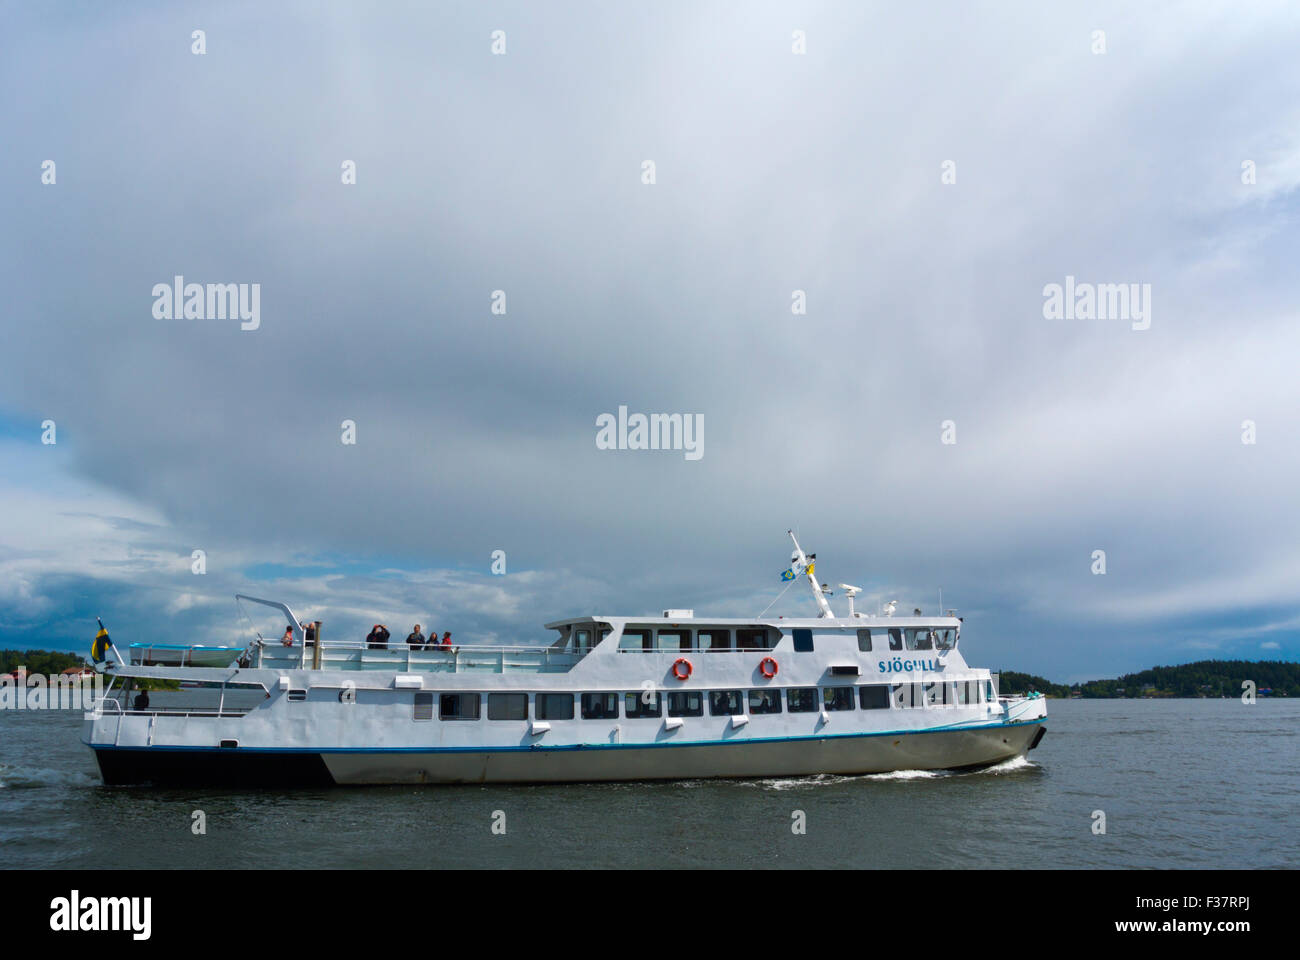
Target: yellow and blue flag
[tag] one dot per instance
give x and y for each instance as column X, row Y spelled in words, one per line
column 99, row 649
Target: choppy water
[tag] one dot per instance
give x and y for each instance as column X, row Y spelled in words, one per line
column 1183, row 783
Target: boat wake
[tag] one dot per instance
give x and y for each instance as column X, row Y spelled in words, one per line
column 14, row 778
column 1014, row 765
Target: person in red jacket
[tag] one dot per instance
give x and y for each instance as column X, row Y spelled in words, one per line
column 446, row 641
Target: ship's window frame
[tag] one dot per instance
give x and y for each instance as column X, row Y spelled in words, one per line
column 755, row 638
column 645, row 635
column 764, row 700
column 682, row 635
column 636, row 708
column 945, row 639
column 907, row 696
column 715, row 701
column 582, row 642
column 712, row 633
column 864, row 639
column 936, row 693
column 803, row 639
column 682, row 697
column 543, row 703
column 606, row 710
column 496, row 700
column 461, row 698
column 842, row 698
column 877, row 692
column 895, row 638
column 422, row 705
column 796, row 706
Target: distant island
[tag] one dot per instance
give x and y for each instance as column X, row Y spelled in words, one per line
column 1204, row 678
column 48, row 662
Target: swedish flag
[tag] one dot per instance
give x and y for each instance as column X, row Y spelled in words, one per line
column 99, row 649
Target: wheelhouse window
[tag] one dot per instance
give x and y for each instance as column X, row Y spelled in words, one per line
column 686, row 703
column 803, row 642
column 675, row 639
column 554, row 706
column 838, row 698
column 459, row 706
column 874, row 697
column 600, row 706
column 919, row 638
column 647, row 703
column 945, row 639
column 864, row 640
column 801, row 699
column 714, row 640
column 423, row 707
column 725, row 703
column 507, row 706
column 895, row 638
column 765, row 701
column 635, row 639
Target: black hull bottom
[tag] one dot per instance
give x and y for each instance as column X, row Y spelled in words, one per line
column 206, row 768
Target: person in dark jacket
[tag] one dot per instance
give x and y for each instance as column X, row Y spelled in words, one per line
column 378, row 637
column 415, row 638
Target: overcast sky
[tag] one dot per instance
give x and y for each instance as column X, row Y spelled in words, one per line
column 774, row 172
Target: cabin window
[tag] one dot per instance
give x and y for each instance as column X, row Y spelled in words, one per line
column 989, row 695
column 423, row 707
column 459, row 706
column 801, row 699
column 643, row 704
column 874, row 697
column 864, row 640
column 714, row 639
column 838, row 698
column 638, row 639
column 603, row 633
column 554, row 706
column 919, row 638
column 297, row 696
column 686, row 703
column 581, row 640
column 765, row 701
column 674, row 639
column 945, row 639
column 895, row 638
column 600, row 706
column 907, row 695
column 507, row 706
column 802, row 641
column 725, row 703
column 752, row 640
column 936, row 694
column 963, row 693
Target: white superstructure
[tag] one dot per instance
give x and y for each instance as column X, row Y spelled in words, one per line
column 612, row 698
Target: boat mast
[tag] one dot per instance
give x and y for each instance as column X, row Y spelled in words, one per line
column 806, row 569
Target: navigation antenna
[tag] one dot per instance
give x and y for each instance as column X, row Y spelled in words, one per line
column 800, row 564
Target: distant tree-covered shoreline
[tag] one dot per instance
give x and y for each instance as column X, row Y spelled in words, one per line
column 39, row 661
column 1204, row 678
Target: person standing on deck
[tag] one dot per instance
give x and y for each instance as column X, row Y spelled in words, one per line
column 415, row 638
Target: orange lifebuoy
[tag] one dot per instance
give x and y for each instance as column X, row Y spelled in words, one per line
column 682, row 661
column 762, row 667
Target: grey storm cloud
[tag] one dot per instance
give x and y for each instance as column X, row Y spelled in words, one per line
column 774, row 173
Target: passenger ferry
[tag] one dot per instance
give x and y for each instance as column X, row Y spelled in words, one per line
column 612, row 698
